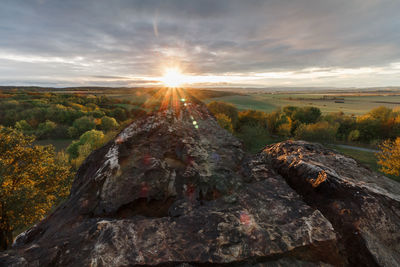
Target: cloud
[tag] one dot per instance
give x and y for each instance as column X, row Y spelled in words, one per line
column 69, row 40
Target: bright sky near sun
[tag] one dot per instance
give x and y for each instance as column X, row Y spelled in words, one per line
column 174, row 43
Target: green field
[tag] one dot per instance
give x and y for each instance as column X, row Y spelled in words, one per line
column 353, row 103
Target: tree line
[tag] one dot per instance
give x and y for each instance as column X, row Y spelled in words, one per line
column 379, row 127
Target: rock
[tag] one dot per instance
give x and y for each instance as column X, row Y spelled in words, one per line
column 174, row 189
column 363, row 206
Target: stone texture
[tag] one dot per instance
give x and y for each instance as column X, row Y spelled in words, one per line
column 363, row 206
column 174, row 189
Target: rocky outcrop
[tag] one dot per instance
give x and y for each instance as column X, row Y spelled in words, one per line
column 363, row 206
column 174, row 189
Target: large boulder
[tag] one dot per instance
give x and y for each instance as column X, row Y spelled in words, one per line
column 174, row 188
column 363, row 206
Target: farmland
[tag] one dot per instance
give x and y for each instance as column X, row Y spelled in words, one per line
column 349, row 103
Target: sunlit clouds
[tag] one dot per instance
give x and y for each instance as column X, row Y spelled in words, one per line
column 215, row 43
column 174, row 77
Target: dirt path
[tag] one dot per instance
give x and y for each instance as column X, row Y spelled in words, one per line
column 358, row 148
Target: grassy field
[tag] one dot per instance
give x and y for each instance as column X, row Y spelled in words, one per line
column 356, row 104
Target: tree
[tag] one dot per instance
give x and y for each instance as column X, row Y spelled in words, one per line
column 272, row 121
column 369, row 128
column 353, row 135
column 108, row 123
column 284, row 129
column 380, row 113
column 253, row 118
column 45, row 129
column 80, row 149
column 119, row 113
column 320, row 131
column 32, row 180
column 290, row 110
column 84, row 124
column 306, row 114
column 347, row 124
column 389, row 157
column 224, row 108
column 224, row 121
column 23, row 126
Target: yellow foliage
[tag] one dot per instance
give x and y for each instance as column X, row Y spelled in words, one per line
column 389, row 157
column 32, row 180
column 224, row 121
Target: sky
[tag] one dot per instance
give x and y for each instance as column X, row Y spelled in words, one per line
column 252, row 43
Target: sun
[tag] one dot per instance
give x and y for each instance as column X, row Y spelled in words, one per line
column 173, row 77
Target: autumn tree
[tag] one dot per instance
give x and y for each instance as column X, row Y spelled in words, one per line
column 225, row 108
column 320, row 131
column 389, row 157
column 32, row 180
column 253, row 118
column 224, row 121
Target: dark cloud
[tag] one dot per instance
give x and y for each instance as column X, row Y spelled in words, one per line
column 82, row 38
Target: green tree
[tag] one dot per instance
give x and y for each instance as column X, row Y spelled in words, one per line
column 45, row 129
column 73, row 132
column 108, row 123
column 346, row 124
column 306, row 114
column 84, row 124
column 32, row 180
column 369, row 128
column 78, row 150
column 119, row 113
column 23, row 126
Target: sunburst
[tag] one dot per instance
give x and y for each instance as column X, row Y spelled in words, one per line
column 173, row 78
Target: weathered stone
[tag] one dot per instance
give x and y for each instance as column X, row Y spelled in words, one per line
column 363, row 206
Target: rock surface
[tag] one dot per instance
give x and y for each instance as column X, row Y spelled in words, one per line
column 174, row 189
column 363, row 206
